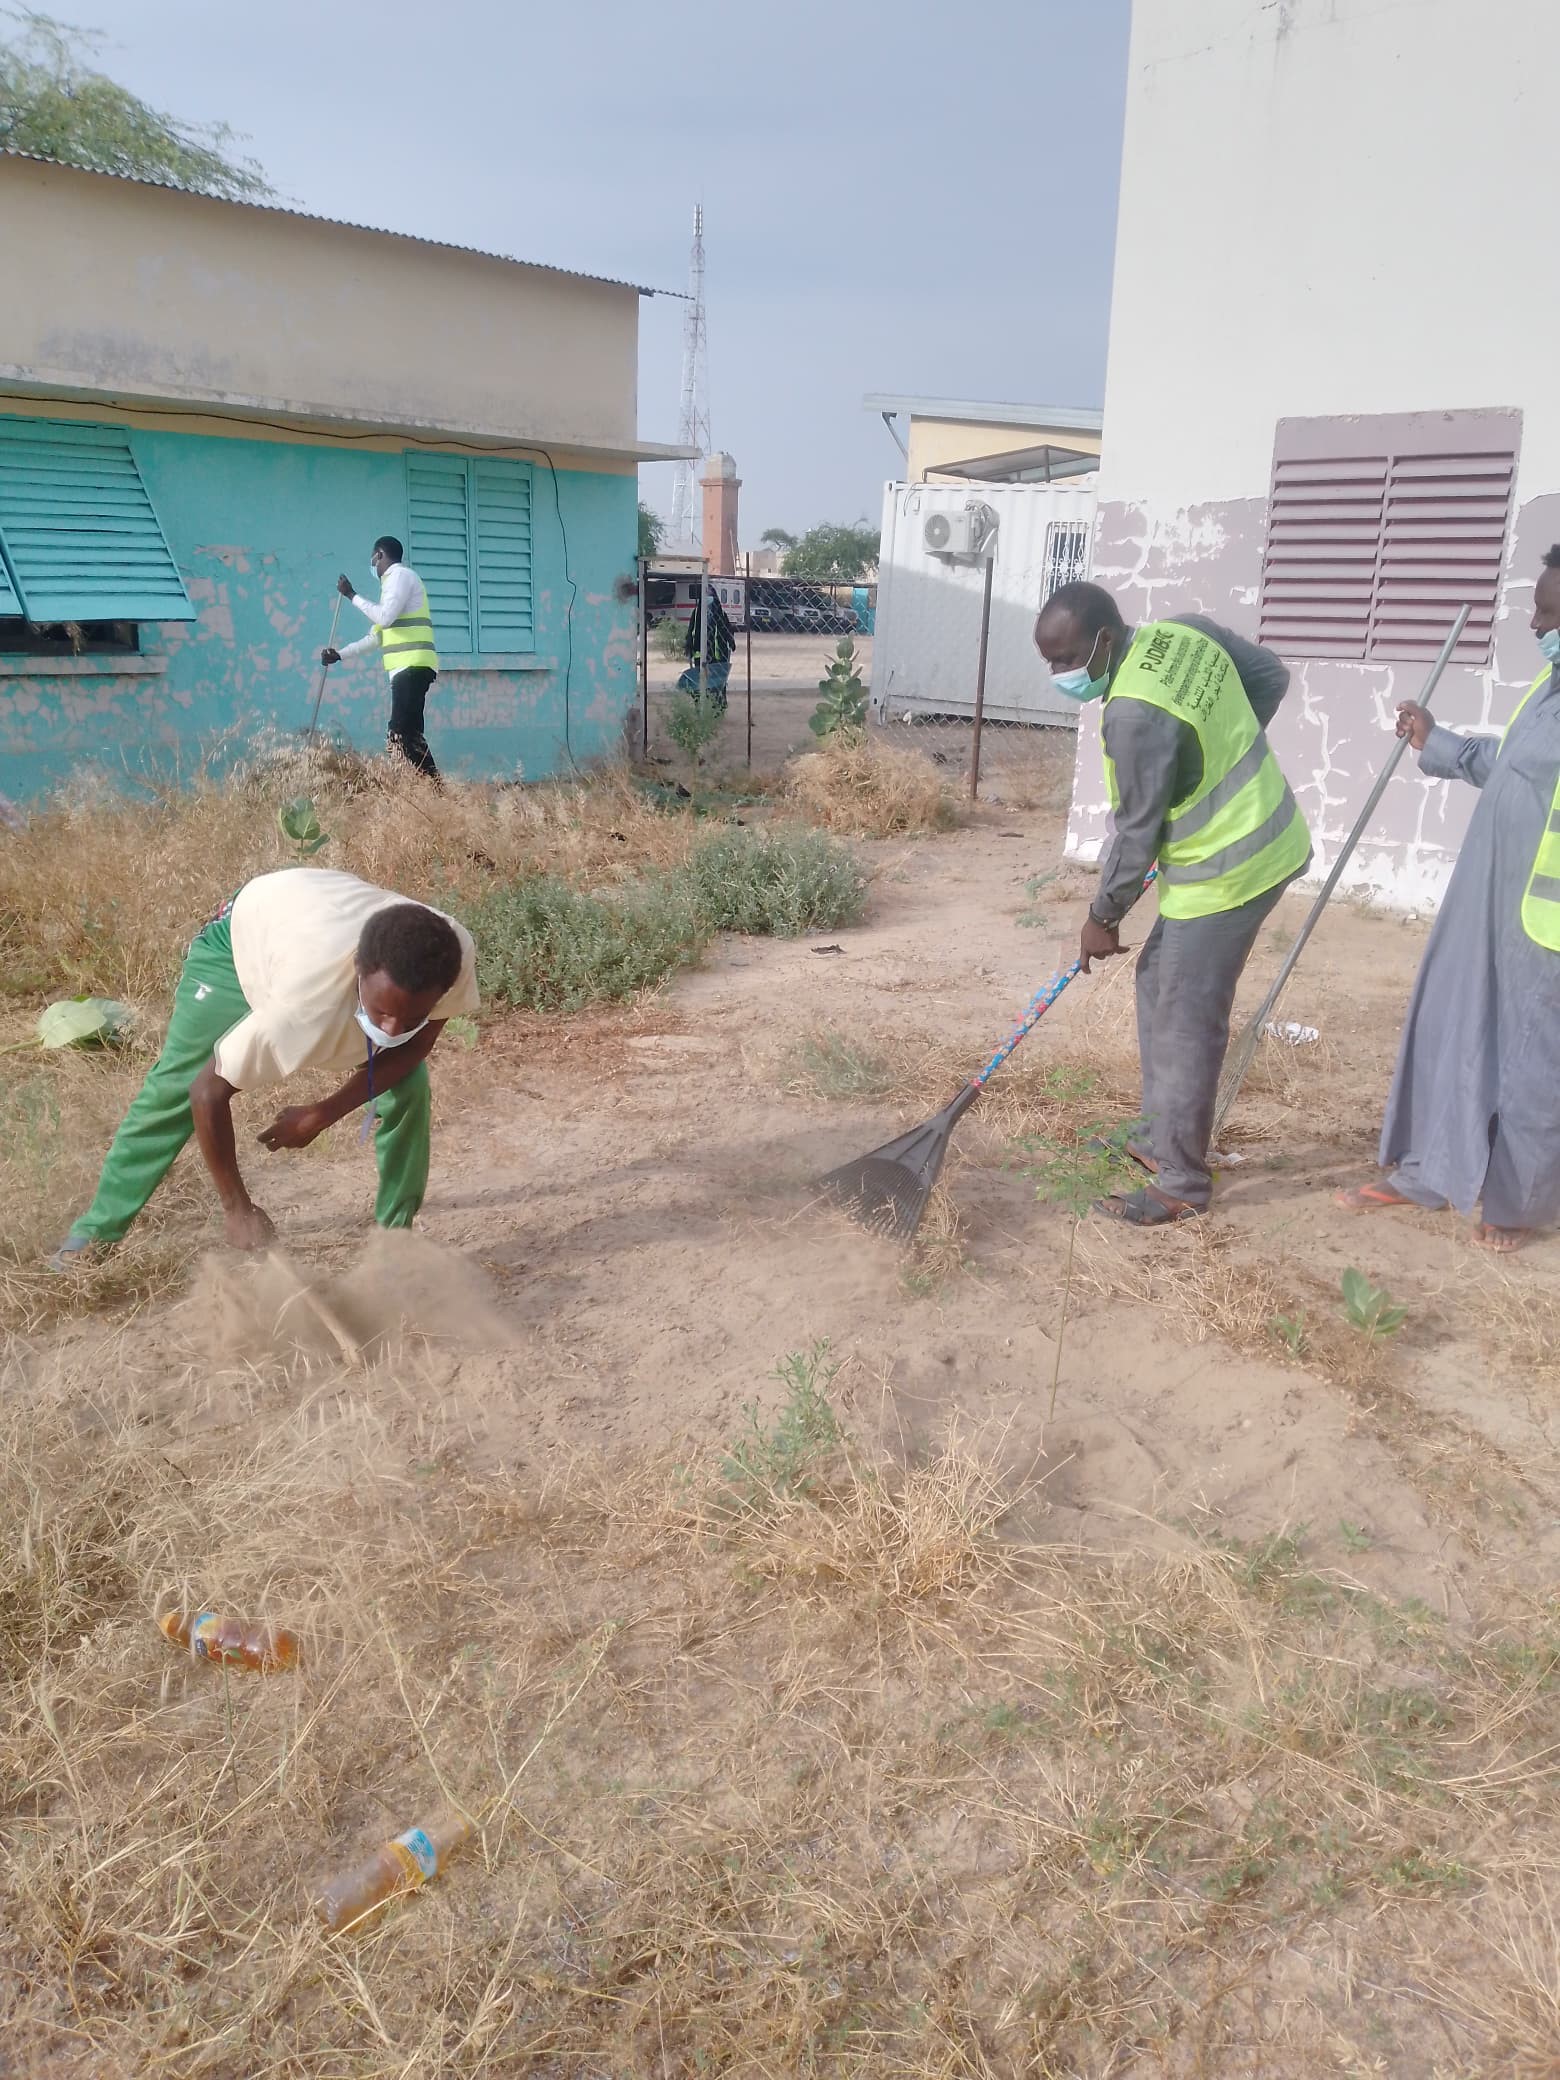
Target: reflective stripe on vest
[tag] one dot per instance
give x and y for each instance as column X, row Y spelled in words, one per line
column 1541, row 897
column 409, row 641
column 1240, row 831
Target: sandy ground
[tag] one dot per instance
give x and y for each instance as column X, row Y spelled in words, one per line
column 638, row 1192
column 733, row 1779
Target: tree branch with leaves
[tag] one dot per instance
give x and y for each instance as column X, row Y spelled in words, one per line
column 56, row 105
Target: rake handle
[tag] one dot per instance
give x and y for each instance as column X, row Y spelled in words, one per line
column 1245, row 1047
column 1039, row 1004
column 324, row 668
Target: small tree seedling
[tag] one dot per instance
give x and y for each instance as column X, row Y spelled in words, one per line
column 1072, row 1175
column 1370, row 1309
column 844, row 699
column 299, row 823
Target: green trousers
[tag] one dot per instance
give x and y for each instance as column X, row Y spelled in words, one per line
column 208, row 1003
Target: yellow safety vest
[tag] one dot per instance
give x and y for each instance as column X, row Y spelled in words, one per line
column 1240, row 831
column 409, row 642
column 1541, row 898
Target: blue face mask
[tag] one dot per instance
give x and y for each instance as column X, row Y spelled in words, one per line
column 377, row 1036
column 1549, row 644
column 1078, row 685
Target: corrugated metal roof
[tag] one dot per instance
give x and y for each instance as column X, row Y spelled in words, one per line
column 1067, row 418
column 337, row 223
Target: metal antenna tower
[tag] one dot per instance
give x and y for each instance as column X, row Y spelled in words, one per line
column 694, row 423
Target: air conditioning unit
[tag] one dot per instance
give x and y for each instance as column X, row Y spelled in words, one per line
column 959, row 534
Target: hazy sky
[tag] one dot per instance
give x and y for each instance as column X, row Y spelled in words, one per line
column 917, row 198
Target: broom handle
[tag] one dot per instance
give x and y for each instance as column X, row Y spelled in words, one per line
column 1039, row 1004
column 1361, row 822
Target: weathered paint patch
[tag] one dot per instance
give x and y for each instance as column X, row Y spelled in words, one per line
column 260, row 530
column 1335, row 729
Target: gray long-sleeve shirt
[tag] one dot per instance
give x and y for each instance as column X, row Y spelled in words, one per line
column 1158, row 762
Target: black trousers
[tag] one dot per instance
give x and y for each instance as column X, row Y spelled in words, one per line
column 408, row 691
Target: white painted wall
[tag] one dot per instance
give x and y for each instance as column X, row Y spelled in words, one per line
column 1329, row 206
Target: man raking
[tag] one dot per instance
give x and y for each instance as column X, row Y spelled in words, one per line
column 304, row 969
column 1192, row 784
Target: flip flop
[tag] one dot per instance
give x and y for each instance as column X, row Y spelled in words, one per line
column 1145, row 1209
column 1371, row 1198
column 74, row 1253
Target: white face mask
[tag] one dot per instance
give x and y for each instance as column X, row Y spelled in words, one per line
column 377, row 1036
column 1549, row 644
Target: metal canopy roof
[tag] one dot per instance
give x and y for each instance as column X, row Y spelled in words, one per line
column 1066, row 418
column 1039, row 465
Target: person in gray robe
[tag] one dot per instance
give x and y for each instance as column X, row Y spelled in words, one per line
column 1473, row 1116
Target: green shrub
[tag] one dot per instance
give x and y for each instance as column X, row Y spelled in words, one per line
column 544, row 946
column 783, row 881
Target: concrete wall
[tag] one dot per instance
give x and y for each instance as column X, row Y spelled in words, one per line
column 259, row 529
column 1327, row 207
column 933, row 443
column 125, row 291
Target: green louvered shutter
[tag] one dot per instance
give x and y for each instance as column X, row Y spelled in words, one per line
column 81, row 537
column 439, row 543
column 505, row 617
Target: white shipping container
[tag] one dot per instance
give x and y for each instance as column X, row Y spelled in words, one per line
column 927, row 640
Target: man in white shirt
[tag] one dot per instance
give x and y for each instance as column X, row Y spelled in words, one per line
column 305, row 969
column 403, row 632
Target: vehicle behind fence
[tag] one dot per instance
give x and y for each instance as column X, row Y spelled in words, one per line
column 943, row 638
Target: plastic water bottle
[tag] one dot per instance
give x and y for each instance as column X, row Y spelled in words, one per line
column 400, row 1866
column 229, row 1641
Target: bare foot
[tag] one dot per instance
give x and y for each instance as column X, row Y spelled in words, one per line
column 1501, row 1240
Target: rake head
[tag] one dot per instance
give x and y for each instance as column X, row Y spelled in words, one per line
column 887, row 1190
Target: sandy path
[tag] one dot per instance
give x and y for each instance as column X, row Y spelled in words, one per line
column 639, row 1192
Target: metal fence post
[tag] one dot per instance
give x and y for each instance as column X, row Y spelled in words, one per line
column 980, row 670
column 747, row 625
column 644, row 661
column 704, row 630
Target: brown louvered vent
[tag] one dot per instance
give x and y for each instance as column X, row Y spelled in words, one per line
column 1372, row 547
column 1324, row 542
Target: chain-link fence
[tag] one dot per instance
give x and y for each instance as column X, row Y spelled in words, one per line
column 761, row 655
column 942, row 642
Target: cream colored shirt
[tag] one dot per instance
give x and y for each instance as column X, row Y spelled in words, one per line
column 295, row 936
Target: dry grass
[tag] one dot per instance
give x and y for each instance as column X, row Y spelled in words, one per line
column 102, row 894
column 860, row 787
column 846, row 1781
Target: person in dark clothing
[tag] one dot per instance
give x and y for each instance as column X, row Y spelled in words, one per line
column 718, row 653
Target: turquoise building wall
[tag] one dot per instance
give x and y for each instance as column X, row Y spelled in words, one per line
column 259, row 530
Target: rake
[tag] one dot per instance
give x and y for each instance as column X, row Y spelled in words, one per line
column 887, row 1190
column 319, row 692
column 1239, row 1059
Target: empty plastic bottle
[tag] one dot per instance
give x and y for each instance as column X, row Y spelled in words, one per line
column 230, row 1641
column 400, row 1866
